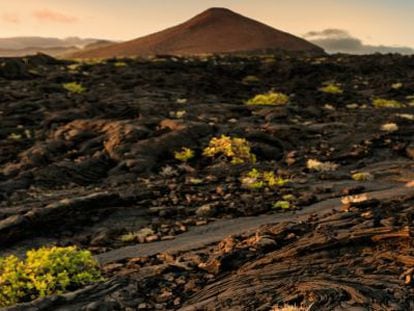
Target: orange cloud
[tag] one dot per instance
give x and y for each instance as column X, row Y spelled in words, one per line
column 46, row 15
column 10, row 18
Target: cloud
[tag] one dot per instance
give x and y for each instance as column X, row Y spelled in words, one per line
column 328, row 33
column 47, row 15
column 10, row 18
column 340, row 41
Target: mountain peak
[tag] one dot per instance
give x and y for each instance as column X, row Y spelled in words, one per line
column 218, row 10
column 216, row 30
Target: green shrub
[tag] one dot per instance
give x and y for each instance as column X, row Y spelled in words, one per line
column 269, row 99
column 74, row 87
column 331, row 88
column 44, row 272
column 236, row 149
column 386, row 103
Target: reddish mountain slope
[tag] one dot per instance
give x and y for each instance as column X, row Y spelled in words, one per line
column 216, row 30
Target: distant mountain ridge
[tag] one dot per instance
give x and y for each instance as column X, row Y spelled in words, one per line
column 21, row 46
column 217, row 30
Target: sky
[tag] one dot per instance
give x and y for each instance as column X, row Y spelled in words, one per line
column 373, row 22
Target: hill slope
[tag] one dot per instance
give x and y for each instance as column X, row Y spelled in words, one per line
column 216, row 30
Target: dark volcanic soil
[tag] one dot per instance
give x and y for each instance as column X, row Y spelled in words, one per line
column 86, row 169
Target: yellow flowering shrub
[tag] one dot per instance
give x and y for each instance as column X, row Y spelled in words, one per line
column 184, row 155
column 74, row 87
column 256, row 179
column 120, row 64
column 386, row 103
column 269, row 99
column 44, row 272
column 362, row 176
column 250, row 80
column 236, row 149
column 284, row 205
column 331, row 88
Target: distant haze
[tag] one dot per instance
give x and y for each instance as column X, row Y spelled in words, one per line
column 27, row 42
column 368, row 26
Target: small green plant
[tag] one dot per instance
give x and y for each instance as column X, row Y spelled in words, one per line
column 362, row 176
column 120, row 64
column 410, row 99
column 268, row 59
column 269, row 99
column 178, row 114
column 406, row 116
column 352, row 106
column 34, row 72
column 236, row 149
column 15, row 136
column 389, row 127
column 184, row 155
column 28, row 133
column 397, row 86
column 256, row 179
column 284, row 205
column 44, row 272
column 250, row 80
column 195, row 181
column 137, row 235
column 290, row 308
column 253, row 180
column 289, row 197
column 329, row 107
column 93, row 61
column 315, row 165
column 74, row 67
column 331, row 88
column 386, row 103
column 74, row 87
column 181, row 101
